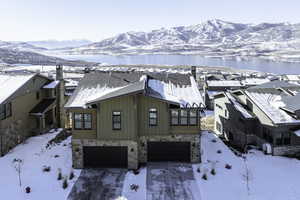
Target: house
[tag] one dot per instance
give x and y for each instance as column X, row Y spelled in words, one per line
column 264, row 115
column 30, row 104
column 122, row 119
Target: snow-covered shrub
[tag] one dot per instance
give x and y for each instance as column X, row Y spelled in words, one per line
column 136, row 171
column 59, row 176
column 46, row 168
column 65, row 183
column 213, row 171
column 27, row 190
column 71, row 175
column 227, row 166
column 134, row 187
column 204, row 177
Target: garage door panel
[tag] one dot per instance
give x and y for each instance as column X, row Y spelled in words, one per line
column 169, row 151
column 95, row 157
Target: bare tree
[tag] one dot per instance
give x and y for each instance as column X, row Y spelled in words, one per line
column 17, row 164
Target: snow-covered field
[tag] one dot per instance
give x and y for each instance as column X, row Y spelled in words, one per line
column 35, row 155
column 254, row 176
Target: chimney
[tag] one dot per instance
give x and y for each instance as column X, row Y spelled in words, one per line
column 193, row 72
column 60, row 97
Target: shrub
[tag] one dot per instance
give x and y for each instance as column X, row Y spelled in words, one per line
column 65, row 183
column 71, row 175
column 204, row 177
column 27, row 190
column 219, row 151
column 214, row 140
column 46, row 168
column 59, row 176
column 56, row 156
column 198, row 170
column 136, row 171
column 227, row 166
column 134, row 187
column 213, row 172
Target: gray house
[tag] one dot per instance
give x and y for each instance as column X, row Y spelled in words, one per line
column 267, row 114
column 121, row 119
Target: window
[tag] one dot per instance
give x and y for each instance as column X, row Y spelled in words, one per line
column 287, row 140
column 83, row 121
column 5, row 111
column 87, row 121
column 116, row 121
column 78, row 121
column 37, row 95
column 193, row 117
column 225, row 113
column 174, row 117
column 152, row 117
column 183, row 117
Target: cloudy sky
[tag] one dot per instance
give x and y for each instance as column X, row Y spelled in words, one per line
column 24, row 20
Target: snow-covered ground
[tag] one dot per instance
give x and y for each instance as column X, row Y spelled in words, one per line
column 254, row 176
column 35, row 155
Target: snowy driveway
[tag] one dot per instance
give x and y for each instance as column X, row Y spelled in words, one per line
column 96, row 184
column 169, row 181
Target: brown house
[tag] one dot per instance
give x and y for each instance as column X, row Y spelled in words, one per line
column 121, row 119
column 30, row 104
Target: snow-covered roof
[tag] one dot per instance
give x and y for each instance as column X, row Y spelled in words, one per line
column 224, row 83
column 51, row 85
column 186, row 95
column 297, row 132
column 176, row 88
column 254, row 81
column 238, row 106
column 293, row 77
column 271, row 105
column 10, row 83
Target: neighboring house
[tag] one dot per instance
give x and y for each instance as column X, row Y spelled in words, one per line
column 211, row 88
column 265, row 114
column 29, row 105
column 121, row 119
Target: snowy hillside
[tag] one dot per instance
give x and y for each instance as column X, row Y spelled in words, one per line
column 211, row 38
column 55, row 44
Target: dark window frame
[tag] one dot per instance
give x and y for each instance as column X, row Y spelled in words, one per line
column 83, row 121
column 5, row 111
column 153, row 111
column 116, row 121
column 188, row 117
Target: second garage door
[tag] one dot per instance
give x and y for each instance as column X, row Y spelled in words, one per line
column 96, row 157
column 169, row 151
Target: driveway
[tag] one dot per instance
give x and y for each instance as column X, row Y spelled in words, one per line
column 171, row 181
column 98, row 184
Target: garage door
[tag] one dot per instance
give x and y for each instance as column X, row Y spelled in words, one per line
column 169, row 151
column 112, row 157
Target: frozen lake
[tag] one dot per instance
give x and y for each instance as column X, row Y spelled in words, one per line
column 250, row 64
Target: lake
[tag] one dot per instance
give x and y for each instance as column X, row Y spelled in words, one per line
column 250, row 64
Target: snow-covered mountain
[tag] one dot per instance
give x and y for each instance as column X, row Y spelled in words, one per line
column 210, row 38
column 55, row 44
column 20, row 46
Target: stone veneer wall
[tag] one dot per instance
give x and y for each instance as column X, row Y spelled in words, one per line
column 78, row 144
column 194, row 139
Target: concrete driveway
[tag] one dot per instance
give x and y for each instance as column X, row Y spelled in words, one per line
column 98, row 184
column 171, row 181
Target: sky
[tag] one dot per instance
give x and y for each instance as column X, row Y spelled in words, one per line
column 32, row 20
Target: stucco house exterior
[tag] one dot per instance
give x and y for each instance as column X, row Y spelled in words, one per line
column 30, row 104
column 265, row 115
column 122, row 119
